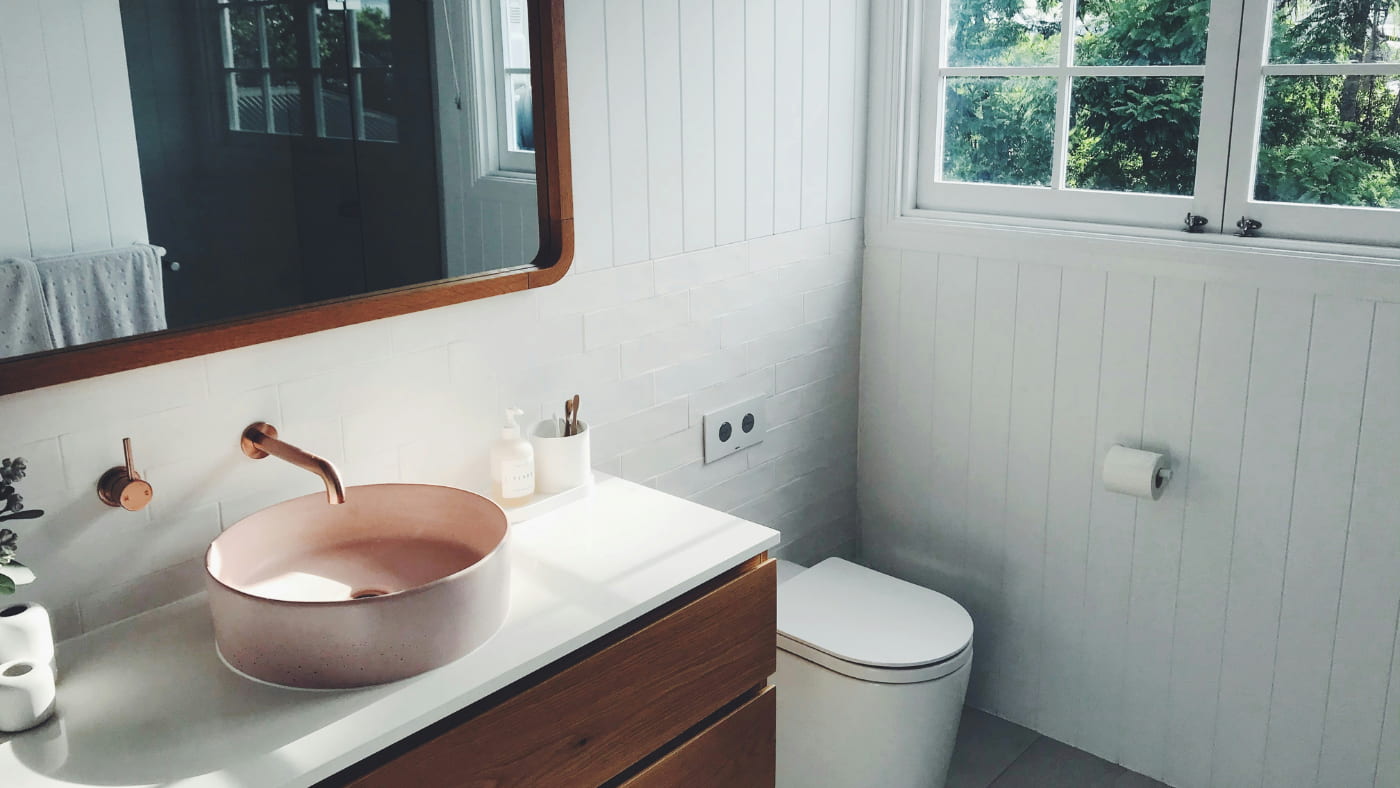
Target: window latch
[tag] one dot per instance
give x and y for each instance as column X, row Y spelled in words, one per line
column 1248, row 228
column 1196, row 223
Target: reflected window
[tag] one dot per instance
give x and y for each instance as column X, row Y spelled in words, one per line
column 515, row 106
column 317, row 68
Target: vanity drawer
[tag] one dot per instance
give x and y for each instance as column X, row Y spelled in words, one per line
column 738, row 751
column 586, row 719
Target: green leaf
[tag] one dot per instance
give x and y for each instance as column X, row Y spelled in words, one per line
column 7, row 586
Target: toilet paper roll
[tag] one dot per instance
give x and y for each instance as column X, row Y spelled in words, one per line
column 25, row 633
column 1141, row 474
column 27, row 695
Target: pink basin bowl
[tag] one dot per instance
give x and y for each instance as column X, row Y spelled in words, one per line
column 398, row 580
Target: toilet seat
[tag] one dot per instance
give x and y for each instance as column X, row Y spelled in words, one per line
column 871, row 626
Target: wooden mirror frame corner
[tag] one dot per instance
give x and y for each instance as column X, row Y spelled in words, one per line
column 554, row 185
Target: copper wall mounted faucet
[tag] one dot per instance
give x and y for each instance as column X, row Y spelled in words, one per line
column 260, row 439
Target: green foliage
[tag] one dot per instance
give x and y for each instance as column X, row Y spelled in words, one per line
column 1332, row 140
column 998, row 130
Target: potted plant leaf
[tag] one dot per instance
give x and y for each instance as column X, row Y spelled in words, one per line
column 12, row 572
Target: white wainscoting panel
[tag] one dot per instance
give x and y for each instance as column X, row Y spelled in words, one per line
column 1241, row 631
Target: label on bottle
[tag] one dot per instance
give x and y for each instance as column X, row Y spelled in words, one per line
column 517, row 478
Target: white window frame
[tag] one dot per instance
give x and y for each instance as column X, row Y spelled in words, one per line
column 910, row 79
column 1292, row 220
column 510, row 159
column 488, row 78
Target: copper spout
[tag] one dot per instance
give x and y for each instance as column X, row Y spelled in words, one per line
column 260, row 439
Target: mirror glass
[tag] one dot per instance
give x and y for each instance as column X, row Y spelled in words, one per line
column 173, row 163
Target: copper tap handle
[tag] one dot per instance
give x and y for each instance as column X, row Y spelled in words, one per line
column 121, row 486
column 130, row 463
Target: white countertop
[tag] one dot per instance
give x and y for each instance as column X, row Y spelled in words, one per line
column 147, row 702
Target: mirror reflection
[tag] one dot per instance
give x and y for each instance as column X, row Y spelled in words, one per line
column 179, row 162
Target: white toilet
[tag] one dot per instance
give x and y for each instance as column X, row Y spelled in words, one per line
column 871, row 677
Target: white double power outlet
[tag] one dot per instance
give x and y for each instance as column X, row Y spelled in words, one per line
column 735, row 428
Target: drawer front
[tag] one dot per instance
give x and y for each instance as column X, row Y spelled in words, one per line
column 598, row 715
column 738, row 751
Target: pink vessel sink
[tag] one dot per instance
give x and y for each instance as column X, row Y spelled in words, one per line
column 398, row 580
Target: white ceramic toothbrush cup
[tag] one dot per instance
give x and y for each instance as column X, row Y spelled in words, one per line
column 27, row 695
column 561, row 463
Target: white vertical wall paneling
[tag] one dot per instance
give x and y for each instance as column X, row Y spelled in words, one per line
column 917, row 306
column 33, row 122
column 950, row 404
column 880, row 363
column 730, row 129
column 664, row 162
column 121, row 165
column 861, row 118
column 1077, row 360
column 1273, row 417
column 788, row 126
column 1168, row 411
column 14, row 227
column 1370, row 595
column 75, row 119
column 841, row 129
column 1336, row 383
column 1210, row 483
column 993, row 348
column 1388, row 769
column 588, row 88
column 759, row 116
column 492, row 230
column 1127, row 319
column 816, row 108
column 627, row 129
column 698, row 121
column 1033, row 374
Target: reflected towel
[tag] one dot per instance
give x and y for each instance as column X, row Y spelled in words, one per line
column 24, row 325
column 94, row 296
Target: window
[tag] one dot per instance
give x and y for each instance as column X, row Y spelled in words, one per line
column 1137, row 112
column 321, row 68
column 515, row 110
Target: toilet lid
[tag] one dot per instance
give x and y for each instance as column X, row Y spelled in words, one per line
column 862, row 616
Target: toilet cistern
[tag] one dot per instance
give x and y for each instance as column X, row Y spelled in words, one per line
column 260, row 439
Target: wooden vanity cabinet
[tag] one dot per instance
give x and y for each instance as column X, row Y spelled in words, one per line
column 678, row 697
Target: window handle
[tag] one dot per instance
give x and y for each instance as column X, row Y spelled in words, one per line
column 1248, row 228
column 1196, row 223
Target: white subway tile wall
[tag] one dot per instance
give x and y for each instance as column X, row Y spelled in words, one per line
column 654, row 326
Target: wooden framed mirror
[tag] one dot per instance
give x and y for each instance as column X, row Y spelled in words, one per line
column 274, row 168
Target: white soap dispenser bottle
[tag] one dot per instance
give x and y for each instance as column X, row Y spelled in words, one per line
column 512, row 462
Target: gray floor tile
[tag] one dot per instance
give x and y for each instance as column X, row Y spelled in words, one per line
column 1134, row 780
column 986, row 746
column 1051, row 764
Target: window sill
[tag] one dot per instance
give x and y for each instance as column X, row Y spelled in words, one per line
column 1315, row 267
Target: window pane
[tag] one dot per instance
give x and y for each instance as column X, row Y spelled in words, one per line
column 522, row 114
column 336, row 106
column 243, row 35
column 1141, row 32
column 330, row 34
column 999, row 130
column 286, row 105
column 1134, row 134
column 282, row 47
column 1330, row 140
column 381, row 123
column 250, row 113
column 1335, row 31
column 376, row 36
column 1003, row 32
